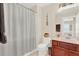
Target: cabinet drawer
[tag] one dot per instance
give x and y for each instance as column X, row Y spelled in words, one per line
column 54, row 42
column 67, row 45
column 63, row 44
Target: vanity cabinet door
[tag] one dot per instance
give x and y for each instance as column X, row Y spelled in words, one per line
column 77, row 49
column 64, row 49
column 73, row 53
column 58, row 51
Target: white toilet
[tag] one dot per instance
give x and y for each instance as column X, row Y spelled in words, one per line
column 42, row 49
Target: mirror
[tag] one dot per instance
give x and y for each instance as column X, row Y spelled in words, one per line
column 77, row 26
column 68, row 27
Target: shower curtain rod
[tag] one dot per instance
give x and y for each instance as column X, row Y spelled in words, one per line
column 27, row 8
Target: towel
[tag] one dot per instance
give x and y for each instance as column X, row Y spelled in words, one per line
column 2, row 28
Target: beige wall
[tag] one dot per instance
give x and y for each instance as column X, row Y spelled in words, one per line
column 41, row 13
column 51, row 10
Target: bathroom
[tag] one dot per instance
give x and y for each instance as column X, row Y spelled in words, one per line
column 25, row 24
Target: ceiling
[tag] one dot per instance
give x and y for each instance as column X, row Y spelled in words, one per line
column 70, row 10
column 30, row 5
column 43, row 4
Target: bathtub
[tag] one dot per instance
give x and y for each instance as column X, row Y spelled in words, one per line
column 41, row 50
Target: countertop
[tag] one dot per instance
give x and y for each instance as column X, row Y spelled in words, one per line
column 73, row 41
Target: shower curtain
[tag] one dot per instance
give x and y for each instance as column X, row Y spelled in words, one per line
column 20, row 30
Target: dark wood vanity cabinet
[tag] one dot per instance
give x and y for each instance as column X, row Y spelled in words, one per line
column 58, row 51
column 60, row 48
